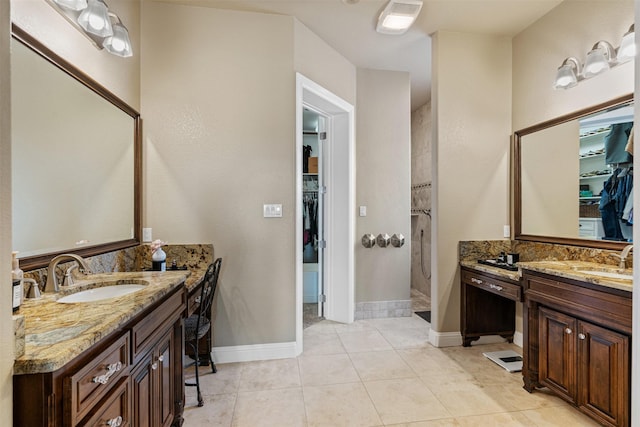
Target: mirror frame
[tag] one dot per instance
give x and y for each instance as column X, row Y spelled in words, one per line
column 517, row 182
column 42, row 260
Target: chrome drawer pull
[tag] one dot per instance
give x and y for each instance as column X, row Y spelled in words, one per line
column 582, row 336
column 111, row 369
column 478, row 281
column 197, row 300
column 496, row 287
column 154, row 366
column 568, row 331
column 115, row 422
column 161, row 358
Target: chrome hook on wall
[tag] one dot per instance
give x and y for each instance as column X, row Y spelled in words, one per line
column 368, row 240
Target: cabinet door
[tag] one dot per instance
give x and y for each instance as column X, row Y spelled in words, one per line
column 142, row 393
column 558, row 356
column 164, row 376
column 604, row 373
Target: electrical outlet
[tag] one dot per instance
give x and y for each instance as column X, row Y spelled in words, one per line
column 506, row 232
column 147, row 235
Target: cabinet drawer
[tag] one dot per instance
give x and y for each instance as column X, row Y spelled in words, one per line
column 149, row 329
column 115, row 409
column 496, row 286
column 94, row 380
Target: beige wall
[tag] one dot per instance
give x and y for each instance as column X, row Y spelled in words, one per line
column 383, row 154
column 421, row 127
column 218, row 98
column 120, row 75
column 220, row 143
column 571, row 29
column 549, row 177
column 472, row 123
column 6, row 327
column 317, row 61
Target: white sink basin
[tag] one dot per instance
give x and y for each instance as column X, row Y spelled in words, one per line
column 608, row 274
column 98, row 294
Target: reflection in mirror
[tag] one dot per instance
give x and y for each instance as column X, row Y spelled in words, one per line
column 573, row 181
column 74, row 157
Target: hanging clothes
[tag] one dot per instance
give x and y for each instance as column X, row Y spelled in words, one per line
column 306, row 153
column 613, row 200
column 615, row 143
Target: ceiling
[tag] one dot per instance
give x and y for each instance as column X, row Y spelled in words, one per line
column 349, row 27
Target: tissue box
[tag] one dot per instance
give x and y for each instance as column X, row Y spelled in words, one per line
column 313, row 165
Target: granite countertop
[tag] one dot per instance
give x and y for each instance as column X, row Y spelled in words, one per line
column 567, row 269
column 56, row 333
column 500, row 272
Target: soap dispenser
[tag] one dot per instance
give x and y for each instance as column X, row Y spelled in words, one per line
column 17, row 277
column 158, row 256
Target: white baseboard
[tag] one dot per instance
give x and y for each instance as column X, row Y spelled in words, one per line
column 250, row 353
column 518, row 339
column 452, row 339
column 445, row 339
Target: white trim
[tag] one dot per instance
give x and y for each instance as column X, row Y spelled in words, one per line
column 253, row 352
column 444, row 339
column 453, row 339
column 341, row 125
column 518, row 339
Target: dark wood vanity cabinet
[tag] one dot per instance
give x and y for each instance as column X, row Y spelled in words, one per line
column 487, row 305
column 131, row 378
column 577, row 343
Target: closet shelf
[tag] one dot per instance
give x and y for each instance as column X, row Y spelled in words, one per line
column 595, row 176
column 589, row 198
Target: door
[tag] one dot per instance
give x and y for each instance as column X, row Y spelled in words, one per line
column 604, row 373
column 313, row 192
column 558, row 353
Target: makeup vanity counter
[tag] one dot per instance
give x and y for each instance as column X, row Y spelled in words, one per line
column 115, row 361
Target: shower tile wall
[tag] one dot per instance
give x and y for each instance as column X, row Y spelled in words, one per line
column 421, row 198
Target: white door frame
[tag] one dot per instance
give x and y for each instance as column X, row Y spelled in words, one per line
column 339, row 177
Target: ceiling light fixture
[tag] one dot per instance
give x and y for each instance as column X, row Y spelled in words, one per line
column 398, row 16
column 600, row 58
column 95, row 21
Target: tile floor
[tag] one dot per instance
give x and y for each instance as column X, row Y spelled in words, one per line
column 374, row 372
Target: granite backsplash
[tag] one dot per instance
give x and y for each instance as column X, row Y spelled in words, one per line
column 535, row 251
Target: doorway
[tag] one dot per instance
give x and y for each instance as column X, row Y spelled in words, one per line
column 336, row 167
column 313, row 191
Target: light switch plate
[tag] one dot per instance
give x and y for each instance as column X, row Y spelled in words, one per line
column 363, row 211
column 272, row 210
column 506, row 232
column 147, row 235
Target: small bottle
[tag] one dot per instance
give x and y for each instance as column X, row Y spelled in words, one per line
column 17, row 277
column 159, row 260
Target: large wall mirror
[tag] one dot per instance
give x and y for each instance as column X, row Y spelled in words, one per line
column 76, row 163
column 574, row 178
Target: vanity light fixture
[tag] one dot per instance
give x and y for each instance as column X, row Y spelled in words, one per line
column 118, row 43
column 568, row 74
column 94, row 19
column 600, row 58
column 627, row 49
column 398, row 16
column 72, row 4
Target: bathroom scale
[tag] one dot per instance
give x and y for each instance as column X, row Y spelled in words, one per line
column 508, row 359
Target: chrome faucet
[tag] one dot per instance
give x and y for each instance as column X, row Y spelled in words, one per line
column 52, row 280
column 624, row 254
